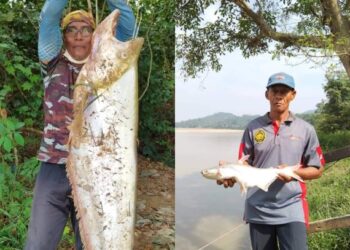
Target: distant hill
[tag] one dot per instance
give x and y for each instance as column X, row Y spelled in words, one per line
column 230, row 121
column 218, row 120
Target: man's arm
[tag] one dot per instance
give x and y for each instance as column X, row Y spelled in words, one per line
column 306, row 173
column 126, row 22
column 310, row 172
column 50, row 37
column 313, row 159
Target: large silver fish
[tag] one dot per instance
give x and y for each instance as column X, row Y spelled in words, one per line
column 102, row 161
column 248, row 176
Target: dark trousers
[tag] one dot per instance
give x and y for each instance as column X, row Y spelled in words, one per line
column 52, row 205
column 290, row 236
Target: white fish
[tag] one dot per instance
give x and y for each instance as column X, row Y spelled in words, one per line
column 102, row 162
column 248, row 176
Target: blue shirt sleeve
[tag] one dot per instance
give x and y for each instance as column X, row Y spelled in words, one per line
column 50, row 37
column 126, row 22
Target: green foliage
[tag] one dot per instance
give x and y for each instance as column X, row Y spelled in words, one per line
column 334, row 113
column 328, row 198
column 20, row 87
column 310, row 117
column 10, row 135
column 295, row 27
column 331, row 141
column 15, row 202
column 157, row 105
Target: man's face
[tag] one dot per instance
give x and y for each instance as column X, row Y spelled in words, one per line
column 77, row 40
column 279, row 96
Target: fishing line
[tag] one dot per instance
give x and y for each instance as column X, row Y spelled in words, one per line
column 221, row 236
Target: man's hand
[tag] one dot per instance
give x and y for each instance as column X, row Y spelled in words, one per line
column 282, row 177
column 227, row 182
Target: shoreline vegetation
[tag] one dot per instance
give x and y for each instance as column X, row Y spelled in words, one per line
column 328, row 197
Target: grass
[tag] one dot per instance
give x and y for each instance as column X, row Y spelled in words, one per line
column 329, row 197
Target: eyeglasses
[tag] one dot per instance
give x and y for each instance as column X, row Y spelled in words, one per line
column 73, row 31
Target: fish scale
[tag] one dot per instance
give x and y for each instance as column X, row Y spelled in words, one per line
column 102, row 161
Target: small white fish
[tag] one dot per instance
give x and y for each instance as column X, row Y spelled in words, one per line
column 248, row 176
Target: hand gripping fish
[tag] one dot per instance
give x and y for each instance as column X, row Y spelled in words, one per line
column 102, row 161
column 248, row 176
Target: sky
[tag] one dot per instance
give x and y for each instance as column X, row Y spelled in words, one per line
column 240, row 86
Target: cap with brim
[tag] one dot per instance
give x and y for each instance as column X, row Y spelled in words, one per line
column 281, row 78
column 78, row 16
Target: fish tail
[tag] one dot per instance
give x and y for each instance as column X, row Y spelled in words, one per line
column 290, row 171
column 297, row 177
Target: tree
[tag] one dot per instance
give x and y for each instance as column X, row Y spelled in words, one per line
column 334, row 113
column 311, row 27
column 21, row 87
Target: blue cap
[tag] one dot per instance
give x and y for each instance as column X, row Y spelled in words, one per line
column 281, row 78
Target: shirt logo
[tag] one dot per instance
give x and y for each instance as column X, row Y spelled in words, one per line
column 295, row 138
column 260, row 136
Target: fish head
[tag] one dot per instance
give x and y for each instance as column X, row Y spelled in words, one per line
column 109, row 58
column 212, row 173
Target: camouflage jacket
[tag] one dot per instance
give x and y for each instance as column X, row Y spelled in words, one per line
column 59, row 77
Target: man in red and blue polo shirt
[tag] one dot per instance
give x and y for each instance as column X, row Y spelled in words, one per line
column 278, row 139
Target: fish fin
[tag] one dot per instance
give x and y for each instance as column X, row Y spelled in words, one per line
column 243, row 159
column 242, row 187
column 294, row 175
column 290, row 171
column 264, row 187
column 297, row 177
column 218, row 174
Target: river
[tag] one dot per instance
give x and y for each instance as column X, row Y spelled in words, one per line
column 208, row 216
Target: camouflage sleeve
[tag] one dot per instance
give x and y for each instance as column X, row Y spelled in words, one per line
column 50, row 37
column 312, row 155
column 126, row 23
column 247, row 146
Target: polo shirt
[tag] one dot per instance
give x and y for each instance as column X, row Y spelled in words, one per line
column 293, row 142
